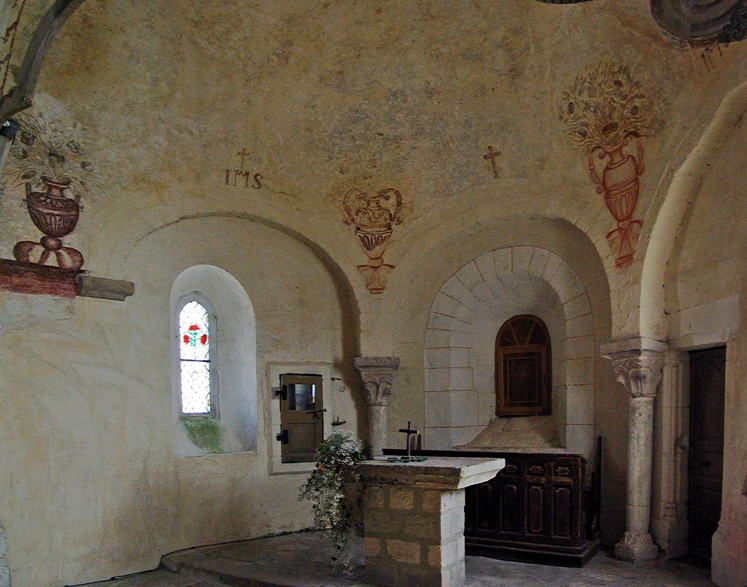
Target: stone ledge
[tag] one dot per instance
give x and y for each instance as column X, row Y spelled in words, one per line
column 31, row 278
column 435, row 473
column 103, row 288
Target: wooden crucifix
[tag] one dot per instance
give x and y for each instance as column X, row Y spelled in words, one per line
column 409, row 431
column 491, row 157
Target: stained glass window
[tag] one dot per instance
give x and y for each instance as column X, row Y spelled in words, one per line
column 194, row 359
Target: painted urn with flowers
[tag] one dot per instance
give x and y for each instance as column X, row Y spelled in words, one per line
column 56, row 216
column 373, row 217
column 607, row 114
column 50, row 164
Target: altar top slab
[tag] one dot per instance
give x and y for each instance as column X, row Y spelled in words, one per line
column 435, row 473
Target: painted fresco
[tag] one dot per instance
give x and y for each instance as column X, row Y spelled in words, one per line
column 374, row 217
column 239, row 176
column 48, row 160
column 607, row 115
column 491, row 156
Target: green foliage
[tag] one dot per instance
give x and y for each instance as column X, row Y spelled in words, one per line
column 338, row 457
column 205, row 433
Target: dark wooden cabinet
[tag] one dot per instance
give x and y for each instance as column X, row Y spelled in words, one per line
column 533, row 510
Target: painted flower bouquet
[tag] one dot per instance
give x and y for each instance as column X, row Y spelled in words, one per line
column 50, row 151
column 604, row 106
column 338, row 456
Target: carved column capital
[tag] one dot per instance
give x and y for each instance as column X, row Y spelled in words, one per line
column 639, row 374
column 377, row 374
column 638, row 367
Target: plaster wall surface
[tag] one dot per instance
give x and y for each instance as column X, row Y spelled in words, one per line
column 93, row 417
column 319, row 98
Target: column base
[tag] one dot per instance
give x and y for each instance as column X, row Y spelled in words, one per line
column 636, row 547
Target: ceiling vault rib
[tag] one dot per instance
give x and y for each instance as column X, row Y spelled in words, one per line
column 21, row 95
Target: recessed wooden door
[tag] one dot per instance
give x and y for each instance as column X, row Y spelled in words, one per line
column 707, row 378
column 522, row 367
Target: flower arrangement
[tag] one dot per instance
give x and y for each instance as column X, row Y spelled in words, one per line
column 603, row 106
column 50, row 151
column 377, row 212
column 338, row 456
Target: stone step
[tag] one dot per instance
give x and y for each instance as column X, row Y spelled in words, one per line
column 299, row 560
column 302, row 560
column 160, row 578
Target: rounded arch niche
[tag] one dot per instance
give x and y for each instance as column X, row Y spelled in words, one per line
column 235, row 428
column 467, row 312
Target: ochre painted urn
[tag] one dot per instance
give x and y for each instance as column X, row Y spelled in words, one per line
column 56, row 216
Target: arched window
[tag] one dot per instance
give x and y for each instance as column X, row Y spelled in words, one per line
column 197, row 393
column 522, row 367
column 213, row 364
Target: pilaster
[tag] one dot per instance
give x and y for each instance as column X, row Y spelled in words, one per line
column 671, row 452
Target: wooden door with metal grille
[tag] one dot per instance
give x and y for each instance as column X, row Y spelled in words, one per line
column 301, row 417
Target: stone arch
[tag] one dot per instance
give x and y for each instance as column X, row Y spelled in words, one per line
column 281, row 311
column 474, row 301
column 682, row 190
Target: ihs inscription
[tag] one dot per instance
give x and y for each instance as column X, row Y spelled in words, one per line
column 242, row 177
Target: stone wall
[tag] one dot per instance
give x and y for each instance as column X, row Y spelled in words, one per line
column 425, row 546
column 93, row 412
column 705, row 302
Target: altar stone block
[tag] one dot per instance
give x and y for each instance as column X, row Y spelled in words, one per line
column 414, row 519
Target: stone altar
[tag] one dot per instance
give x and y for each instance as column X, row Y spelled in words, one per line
column 413, row 517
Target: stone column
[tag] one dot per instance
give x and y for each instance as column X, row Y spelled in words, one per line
column 639, row 369
column 377, row 374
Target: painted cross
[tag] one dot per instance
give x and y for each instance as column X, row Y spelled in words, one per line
column 243, row 154
column 409, row 431
column 491, row 157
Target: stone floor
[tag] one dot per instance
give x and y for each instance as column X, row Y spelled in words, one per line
column 301, row 560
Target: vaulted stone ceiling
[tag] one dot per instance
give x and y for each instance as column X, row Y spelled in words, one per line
column 695, row 19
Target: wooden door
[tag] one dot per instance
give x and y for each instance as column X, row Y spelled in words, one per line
column 522, row 367
column 301, row 417
column 707, row 377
